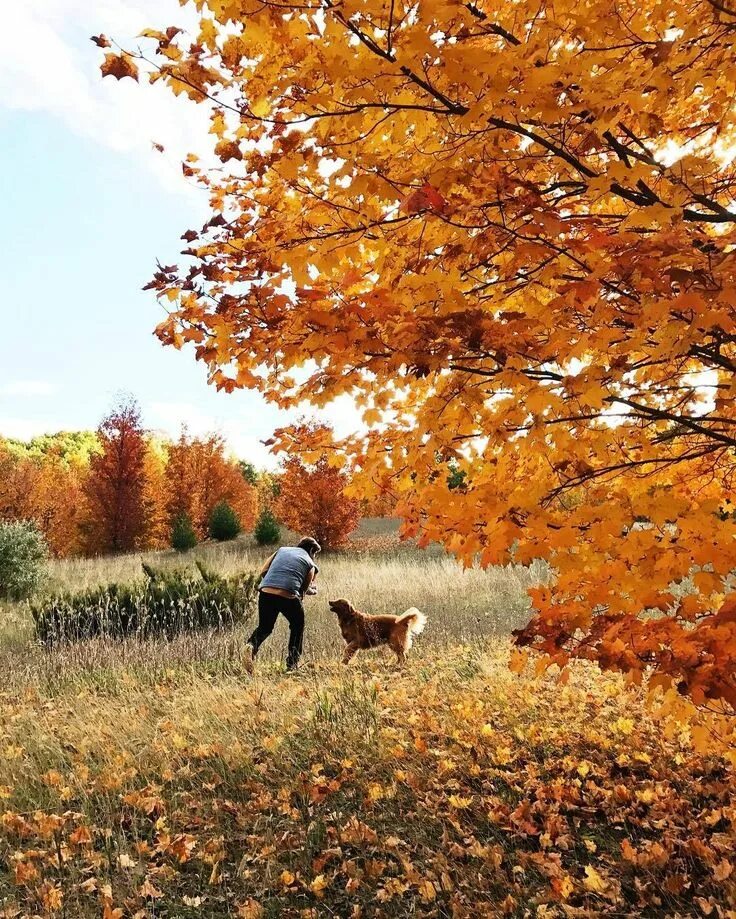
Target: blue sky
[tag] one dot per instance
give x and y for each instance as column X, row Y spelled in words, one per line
column 87, row 208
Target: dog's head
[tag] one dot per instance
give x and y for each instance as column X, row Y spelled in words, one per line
column 342, row 608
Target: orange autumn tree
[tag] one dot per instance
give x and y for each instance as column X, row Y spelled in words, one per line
column 43, row 481
column 312, row 496
column 507, row 230
column 57, row 503
column 115, row 485
column 157, row 529
column 199, row 475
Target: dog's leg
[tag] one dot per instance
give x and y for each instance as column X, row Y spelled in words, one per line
column 397, row 646
column 349, row 652
column 397, row 643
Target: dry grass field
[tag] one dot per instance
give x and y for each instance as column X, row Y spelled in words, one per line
column 462, row 606
column 158, row 779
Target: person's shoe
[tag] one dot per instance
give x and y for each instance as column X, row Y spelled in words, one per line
column 248, row 658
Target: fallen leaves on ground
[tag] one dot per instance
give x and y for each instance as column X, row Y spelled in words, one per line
column 453, row 788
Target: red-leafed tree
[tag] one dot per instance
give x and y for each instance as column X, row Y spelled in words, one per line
column 115, row 486
column 313, row 502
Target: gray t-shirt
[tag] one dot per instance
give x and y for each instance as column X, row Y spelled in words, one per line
column 289, row 570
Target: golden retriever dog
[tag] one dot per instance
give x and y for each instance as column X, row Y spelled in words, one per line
column 362, row 631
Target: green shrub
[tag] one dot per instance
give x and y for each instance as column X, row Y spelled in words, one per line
column 224, row 522
column 164, row 604
column 267, row 531
column 183, row 536
column 23, row 554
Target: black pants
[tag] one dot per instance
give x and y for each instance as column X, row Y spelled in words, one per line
column 269, row 607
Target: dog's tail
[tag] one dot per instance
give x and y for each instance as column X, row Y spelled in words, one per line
column 416, row 619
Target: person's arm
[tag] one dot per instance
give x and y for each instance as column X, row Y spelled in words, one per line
column 307, row 587
column 266, row 566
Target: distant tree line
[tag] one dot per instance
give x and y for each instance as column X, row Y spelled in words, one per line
column 123, row 488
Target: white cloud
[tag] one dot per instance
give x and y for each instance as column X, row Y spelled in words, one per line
column 342, row 415
column 24, row 429
column 47, row 63
column 169, row 417
column 28, row 388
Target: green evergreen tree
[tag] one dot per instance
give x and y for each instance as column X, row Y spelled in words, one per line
column 183, row 536
column 267, row 531
column 224, row 523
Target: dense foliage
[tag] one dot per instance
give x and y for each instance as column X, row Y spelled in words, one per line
column 267, row 531
column 23, row 554
column 313, row 501
column 199, row 476
column 122, row 488
column 183, row 536
column 43, row 480
column 166, row 603
column 507, row 231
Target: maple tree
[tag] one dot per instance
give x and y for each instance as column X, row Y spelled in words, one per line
column 57, row 502
column 157, row 528
column 43, row 482
column 508, row 232
column 115, row 486
column 382, row 504
column 199, row 476
column 312, row 498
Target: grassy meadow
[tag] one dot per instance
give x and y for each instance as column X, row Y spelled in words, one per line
column 159, row 779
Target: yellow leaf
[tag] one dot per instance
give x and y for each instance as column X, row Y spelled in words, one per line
column 427, row 891
column 318, row 885
column 148, row 890
column 593, row 881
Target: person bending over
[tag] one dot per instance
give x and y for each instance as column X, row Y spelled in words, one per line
column 287, row 577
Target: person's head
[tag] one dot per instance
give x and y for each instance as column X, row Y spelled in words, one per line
column 310, row 545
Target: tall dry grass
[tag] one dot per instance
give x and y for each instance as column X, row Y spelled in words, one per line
column 462, row 606
column 159, row 779
column 449, row 788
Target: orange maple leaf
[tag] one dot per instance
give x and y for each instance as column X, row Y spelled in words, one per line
column 119, row 66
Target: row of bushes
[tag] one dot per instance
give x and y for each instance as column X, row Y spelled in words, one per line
column 23, row 549
column 224, row 526
column 164, row 604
